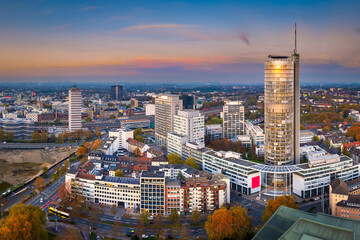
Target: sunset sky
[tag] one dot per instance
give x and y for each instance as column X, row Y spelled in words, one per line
column 175, row 41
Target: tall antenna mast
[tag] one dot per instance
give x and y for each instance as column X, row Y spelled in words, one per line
column 295, row 50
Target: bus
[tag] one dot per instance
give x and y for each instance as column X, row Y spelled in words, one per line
column 59, row 213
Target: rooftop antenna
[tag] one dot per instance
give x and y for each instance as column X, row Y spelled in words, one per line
column 295, row 50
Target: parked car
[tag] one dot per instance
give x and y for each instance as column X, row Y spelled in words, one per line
column 41, row 200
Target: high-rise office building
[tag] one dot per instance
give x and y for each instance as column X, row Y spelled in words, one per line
column 75, row 102
column 233, row 119
column 166, row 107
column 282, row 109
column 116, row 92
column 188, row 101
column 189, row 126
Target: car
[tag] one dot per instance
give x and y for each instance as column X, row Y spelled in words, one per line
column 69, row 208
column 41, row 200
column 317, row 198
column 144, row 236
column 151, row 218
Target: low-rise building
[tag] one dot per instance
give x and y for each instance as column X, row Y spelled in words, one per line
column 195, row 151
column 135, row 123
column 20, row 127
column 256, row 134
column 306, row 136
column 245, row 140
column 213, row 131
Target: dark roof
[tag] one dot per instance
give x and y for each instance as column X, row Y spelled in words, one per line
column 73, row 170
column 285, row 219
column 339, row 187
column 121, row 180
column 154, row 174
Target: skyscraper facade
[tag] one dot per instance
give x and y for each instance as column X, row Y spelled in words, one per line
column 190, row 123
column 166, row 107
column 75, row 102
column 282, row 112
column 116, row 92
column 233, row 119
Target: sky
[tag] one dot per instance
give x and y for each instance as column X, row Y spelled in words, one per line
column 176, row 41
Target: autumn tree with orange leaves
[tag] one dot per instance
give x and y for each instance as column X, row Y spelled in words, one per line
column 96, row 144
column 274, row 204
column 25, row 223
column 39, row 182
column 233, row 223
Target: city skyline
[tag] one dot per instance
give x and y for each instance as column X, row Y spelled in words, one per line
column 175, row 42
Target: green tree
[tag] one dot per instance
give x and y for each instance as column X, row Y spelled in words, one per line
column 119, row 173
column 2, row 135
column 88, row 134
column 174, row 216
column 137, row 132
column 174, row 158
column 139, row 138
column 192, row 163
column 53, row 137
column 88, row 119
column 43, row 137
column 137, row 152
column 97, row 132
column 143, row 218
column 195, row 217
column 316, row 138
column 302, row 127
column 274, row 204
column 9, row 136
column 35, row 136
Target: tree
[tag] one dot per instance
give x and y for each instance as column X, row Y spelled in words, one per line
column 174, row 216
column 97, row 132
column 195, row 217
column 345, row 151
column 233, row 223
column 302, row 127
column 137, row 132
column 81, row 151
column 273, row 205
column 43, row 137
column 139, row 138
column 184, row 233
column 354, row 131
column 349, row 119
column 137, row 152
column 192, row 163
column 77, row 134
column 39, row 182
column 112, row 116
column 53, row 137
column 119, row 173
column 174, row 158
column 9, row 136
column 144, row 218
column 88, row 134
column 45, row 169
column 96, row 144
column 61, row 138
column 66, row 165
column 2, row 135
column 88, row 119
column 316, row 138
column 25, row 223
column 326, row 129
column 35, row 136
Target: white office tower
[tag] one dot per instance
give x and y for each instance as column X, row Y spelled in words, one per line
column 189, row 126
column 233, row 119
column 190, row 123
column 166, row 107
column 75, row 102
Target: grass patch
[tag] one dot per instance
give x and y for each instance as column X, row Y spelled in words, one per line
column 52, row 236
column 4, row 186
column 311, row 209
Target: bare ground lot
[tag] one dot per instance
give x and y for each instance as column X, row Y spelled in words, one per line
column 17, row 166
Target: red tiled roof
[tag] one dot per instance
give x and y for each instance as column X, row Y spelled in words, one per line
column 85, row 176
column 353, row 144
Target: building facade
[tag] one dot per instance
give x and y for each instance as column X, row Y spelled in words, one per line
column 166, row 107
column 75, row 102
column 233, row 119
column 116, row 92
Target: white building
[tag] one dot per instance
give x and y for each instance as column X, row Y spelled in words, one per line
column 123, row 135
column 245, row 140
column 355, row 115
column 256, row 133
column 190, row 123
column 306, row 136
column 166, row 107
column 110, row 146
column 175, row 142
column 233, row 119
column 149, row 109
column 75, row 102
